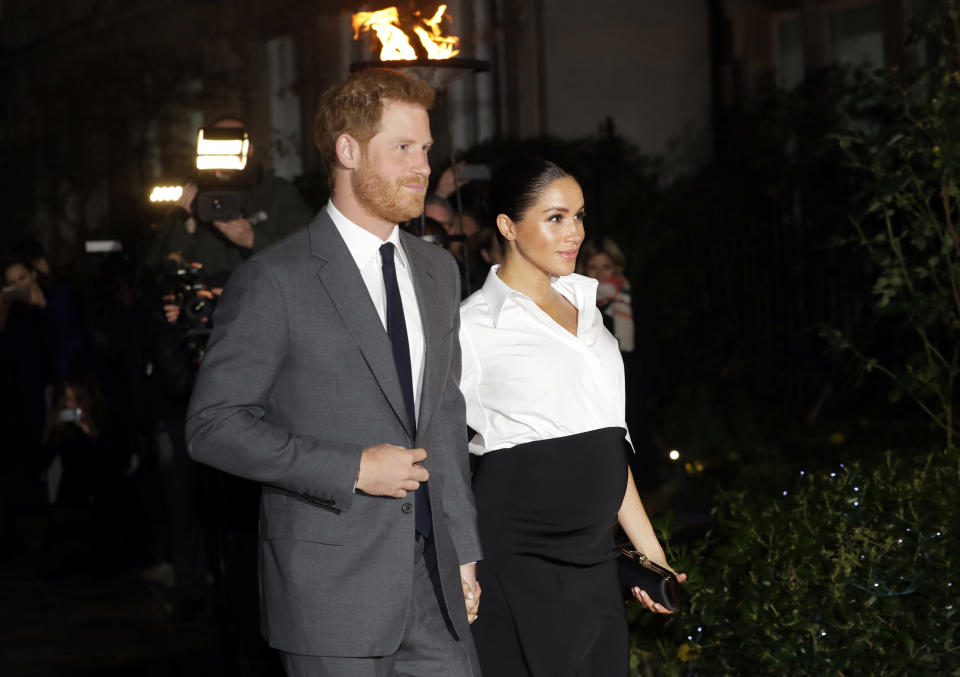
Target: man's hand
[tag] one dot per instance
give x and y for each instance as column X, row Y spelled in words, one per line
column 187, row 195
column 471, row 590
column 389, row 470
column 171, row 309
column 239, row 231
column 448, row 184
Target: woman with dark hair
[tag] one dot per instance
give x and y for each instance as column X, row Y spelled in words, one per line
column 88, row 455
column 543, row 383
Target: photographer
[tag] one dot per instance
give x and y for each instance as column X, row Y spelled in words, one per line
column 272, row 208
column 179, row 321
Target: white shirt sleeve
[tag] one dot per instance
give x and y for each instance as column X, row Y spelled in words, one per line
column 469, row 379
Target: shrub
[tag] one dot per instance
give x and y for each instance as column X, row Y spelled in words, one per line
column 850, row 572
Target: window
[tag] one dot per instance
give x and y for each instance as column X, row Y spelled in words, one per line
column 790, row 55
column 284, row 101
column 856, row 36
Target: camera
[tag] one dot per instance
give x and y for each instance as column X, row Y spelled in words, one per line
column 220, row 205
column 183, row 284
column 223, row 181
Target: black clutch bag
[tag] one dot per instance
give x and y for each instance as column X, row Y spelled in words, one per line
column 636, row 570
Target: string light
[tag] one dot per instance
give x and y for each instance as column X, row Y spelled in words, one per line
column 876, row 589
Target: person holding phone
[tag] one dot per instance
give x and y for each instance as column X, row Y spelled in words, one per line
column 543, row 383
column 87, row 455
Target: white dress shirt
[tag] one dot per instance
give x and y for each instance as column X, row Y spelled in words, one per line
column 526, row 378
column 364, row 247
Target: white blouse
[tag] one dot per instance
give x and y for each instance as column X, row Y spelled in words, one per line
column 525, row 378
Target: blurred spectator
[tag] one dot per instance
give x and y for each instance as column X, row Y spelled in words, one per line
column 485, row 243
column 96, row 523
column 604, row 261
column 450, row 181
column 172, row 353
column 428, row 230
column 59, row 299
column 274, row 208
column 440, row 210
column 459, row 227
column 32, row 250
column 28, row 350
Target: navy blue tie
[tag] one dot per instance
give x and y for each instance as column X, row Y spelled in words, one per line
column 397, row 331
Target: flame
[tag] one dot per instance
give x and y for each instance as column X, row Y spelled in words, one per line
column 438, row 46
column 396, row 43
column 386, row 24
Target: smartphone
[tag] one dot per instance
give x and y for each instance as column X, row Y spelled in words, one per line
column 17, row 293
column 70, row 415
column 475, row 172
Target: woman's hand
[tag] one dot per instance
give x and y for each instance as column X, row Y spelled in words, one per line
column 645, row 599
column 471, row 590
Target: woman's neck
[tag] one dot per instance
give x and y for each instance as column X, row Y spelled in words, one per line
column 526, row 279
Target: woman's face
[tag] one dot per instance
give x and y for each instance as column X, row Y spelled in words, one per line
column 19, row 275
column 549, row 235
column 601, row 267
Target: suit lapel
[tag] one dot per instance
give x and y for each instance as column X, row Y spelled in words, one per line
column 342, row 282
column 432, row 313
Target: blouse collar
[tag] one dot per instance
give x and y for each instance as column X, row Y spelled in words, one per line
column 580, row 290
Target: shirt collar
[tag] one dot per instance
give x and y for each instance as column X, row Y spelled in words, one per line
column 581, row 291
column 362, row 244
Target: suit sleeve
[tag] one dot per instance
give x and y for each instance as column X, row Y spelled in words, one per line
column 225, row 421
column 458, row 504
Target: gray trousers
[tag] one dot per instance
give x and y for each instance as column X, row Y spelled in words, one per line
column 426, row 650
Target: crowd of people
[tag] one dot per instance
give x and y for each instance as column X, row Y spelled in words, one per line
column 99, row 365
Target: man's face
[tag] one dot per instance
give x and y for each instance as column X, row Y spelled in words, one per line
column 390, row 180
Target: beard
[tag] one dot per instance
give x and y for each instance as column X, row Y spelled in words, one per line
column 386, row 199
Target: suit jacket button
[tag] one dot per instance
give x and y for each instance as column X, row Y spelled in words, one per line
column 407, row 508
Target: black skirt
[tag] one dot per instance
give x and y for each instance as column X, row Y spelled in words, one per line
column 551, row 603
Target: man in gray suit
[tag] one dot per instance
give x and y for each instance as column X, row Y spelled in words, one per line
column 332, row 378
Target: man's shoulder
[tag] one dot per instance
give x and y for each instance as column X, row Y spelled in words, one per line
column 287, row 251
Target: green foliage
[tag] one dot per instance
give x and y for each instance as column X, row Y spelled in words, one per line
column 908, row 225
column 851, row 572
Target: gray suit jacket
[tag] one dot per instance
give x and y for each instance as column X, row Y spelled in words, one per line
column 298, row 378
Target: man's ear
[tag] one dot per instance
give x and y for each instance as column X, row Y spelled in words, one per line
column 348, row 151
column 506, row 227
